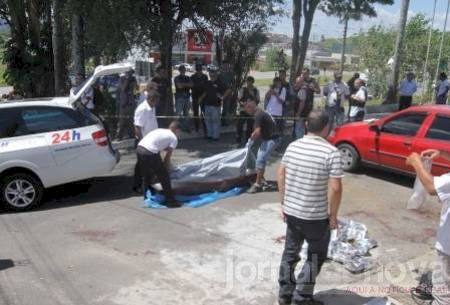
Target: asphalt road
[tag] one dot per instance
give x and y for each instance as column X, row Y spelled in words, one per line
column 93, row 243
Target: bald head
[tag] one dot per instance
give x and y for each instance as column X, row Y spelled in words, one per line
column 317, row 122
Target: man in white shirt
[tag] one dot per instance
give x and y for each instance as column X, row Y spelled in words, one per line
column 335, row 93
column 439, row 186
column 358, row 102
column 442, row 88
column 144, row 122
column 406, row 90
column 151, row 164
column 274, row 103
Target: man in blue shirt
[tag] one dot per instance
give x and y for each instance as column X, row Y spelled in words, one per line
column 406, row 90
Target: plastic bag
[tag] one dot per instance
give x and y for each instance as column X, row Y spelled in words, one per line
column 420, row 194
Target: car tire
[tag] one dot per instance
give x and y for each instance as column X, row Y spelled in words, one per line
column 21, row 192
column 350, row 157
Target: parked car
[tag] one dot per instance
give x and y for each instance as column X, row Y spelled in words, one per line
column 51, row 141
column 189, row 68
column 388, row 141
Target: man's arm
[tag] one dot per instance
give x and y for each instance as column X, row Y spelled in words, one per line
column 424, row 176
column 256, row 133
column 281, row 187
column 301, row 106
column 434, row 153
column 138, row 132
column 335, row 197
column 167, row 157
column 280, row 180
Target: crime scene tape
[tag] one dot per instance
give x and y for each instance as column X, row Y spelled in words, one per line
column 175, row 117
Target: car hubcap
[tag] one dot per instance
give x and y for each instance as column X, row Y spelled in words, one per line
column 20, row 193
column 347, row 158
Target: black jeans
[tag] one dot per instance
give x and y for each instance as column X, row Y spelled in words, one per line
column 137, row 169
column 317, row 234
column 197, row 110
column 404, row 102
column 244, row 119
column 151, row 165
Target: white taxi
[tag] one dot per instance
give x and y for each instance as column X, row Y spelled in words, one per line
column 53, row 141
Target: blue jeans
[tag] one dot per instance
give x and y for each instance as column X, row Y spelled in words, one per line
column 317, row 234
column 264, row 152
column 336, row 115
column 299, row 128
column 212, row 121
column 182, row 109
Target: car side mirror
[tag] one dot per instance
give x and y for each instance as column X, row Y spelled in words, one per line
column 375, row 129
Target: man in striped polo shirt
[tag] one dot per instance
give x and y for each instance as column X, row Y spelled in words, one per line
column 309, row 170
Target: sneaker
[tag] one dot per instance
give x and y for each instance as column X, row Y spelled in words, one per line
column 254, row 189
column 173, row 204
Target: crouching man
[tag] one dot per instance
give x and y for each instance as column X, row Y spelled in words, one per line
column 438, row 186
column 264, row 130
column 151, row 164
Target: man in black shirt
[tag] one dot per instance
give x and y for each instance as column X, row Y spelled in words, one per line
column 211, row 101
column 246, row 93
column 309, row 86
column 165, row 105
column 265, row 131
column 199, row 80
column 183, row 85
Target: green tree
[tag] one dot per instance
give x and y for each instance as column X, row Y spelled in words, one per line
column 28, row 54
column 376, row 47
column 347, row 10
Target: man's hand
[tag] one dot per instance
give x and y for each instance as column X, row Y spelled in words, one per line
column 413, row 159
column 282, row 215
column 430, row 154
column 333, row 222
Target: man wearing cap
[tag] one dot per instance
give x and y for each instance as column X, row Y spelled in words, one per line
column 406, row 90
column 183, row 85
column 335, row 93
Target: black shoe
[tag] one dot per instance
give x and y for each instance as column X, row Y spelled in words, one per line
column 173, row 204
column 282, row 301
column 309, row 302
column 137, row 190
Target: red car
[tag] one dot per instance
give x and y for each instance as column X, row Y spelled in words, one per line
column 388, row 141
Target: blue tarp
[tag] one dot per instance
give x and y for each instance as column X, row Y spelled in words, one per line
column 195, row 201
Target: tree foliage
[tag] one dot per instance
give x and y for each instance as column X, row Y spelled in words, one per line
column 376, row 47
column 306, row 9
column 28, row 52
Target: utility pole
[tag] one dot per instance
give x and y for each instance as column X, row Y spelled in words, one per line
column 344, row 43
column 425, row 76
column 398, row 49
column 442, row 42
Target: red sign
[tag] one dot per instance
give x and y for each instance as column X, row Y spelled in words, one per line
column 199, row 41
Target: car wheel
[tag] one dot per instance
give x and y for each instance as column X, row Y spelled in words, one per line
column 350, row 157
column 21, row 192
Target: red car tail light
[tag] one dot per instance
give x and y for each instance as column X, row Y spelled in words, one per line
column 100, row 138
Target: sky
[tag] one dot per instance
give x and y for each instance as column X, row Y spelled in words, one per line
column 388, row 16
